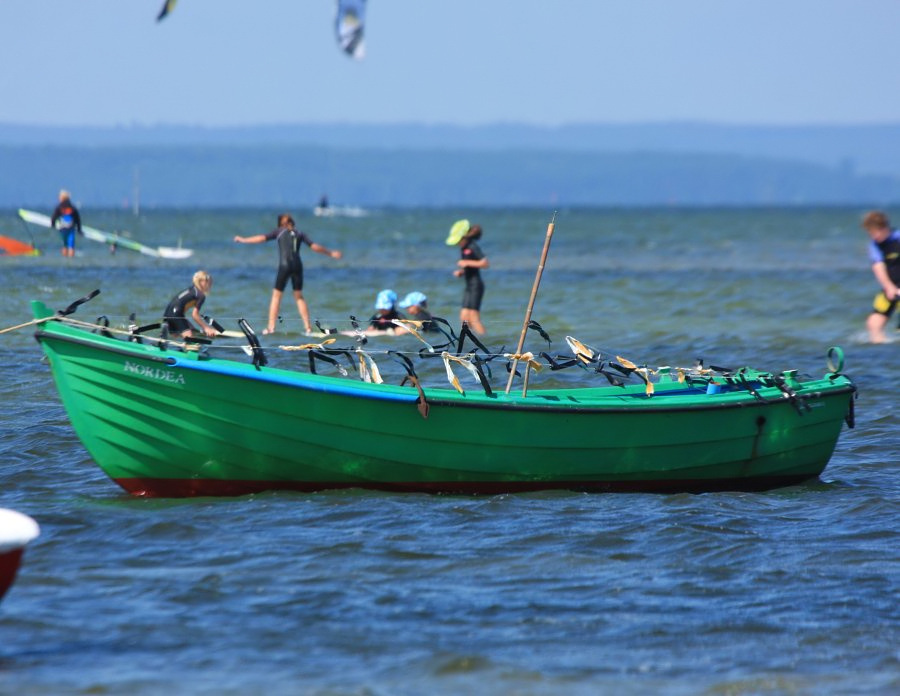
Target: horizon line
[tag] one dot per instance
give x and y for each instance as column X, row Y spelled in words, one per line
column 133, row 125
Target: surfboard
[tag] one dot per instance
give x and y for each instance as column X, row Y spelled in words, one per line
column 111, row 238
column 369, row 333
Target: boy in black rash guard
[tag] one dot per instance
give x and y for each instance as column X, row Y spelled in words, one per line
column 289, row 239
column 469, row 267
column 189, row 301
column 884, row 253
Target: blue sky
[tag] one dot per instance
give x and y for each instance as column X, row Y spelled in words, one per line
column 468, row 62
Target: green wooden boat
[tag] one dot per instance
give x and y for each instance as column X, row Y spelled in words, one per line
column 164, row 421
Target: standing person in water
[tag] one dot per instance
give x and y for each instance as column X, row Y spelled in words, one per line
column 884, row 254
column 66, row 214
column 188, row 303
column 472, row 260
column 289, row 239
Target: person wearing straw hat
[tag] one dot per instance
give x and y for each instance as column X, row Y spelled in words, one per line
column 464, row 235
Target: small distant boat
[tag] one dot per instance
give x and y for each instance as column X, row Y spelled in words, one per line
column 324, row 209
column 163, row 420
column 13, row 247
column 16, row 531
column 113, row 239
column 339, row 211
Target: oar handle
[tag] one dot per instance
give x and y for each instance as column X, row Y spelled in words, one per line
column 27, row 323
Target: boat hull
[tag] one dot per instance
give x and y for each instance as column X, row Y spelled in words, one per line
column 162, row 423
column 9, row 566
column 16, row 531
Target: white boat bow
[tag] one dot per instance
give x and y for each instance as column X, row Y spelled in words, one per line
column 16, row 531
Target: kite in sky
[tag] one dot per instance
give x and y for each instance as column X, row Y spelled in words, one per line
column 348, row 25
column 168, row 6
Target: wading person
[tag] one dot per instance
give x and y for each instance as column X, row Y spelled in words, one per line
column 416, row 306
column 69, row 220
column 385, row 311
column 469, row 268
column 290, row 266
column 884, row 253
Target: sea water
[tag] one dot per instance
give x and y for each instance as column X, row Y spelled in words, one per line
column 361, row 592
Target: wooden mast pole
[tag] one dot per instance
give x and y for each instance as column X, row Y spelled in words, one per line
column 534, row 291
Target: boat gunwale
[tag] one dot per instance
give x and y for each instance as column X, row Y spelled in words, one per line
column 437, row 396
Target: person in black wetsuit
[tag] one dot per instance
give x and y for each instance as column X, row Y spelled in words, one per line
column 385, row 312
column 66, row 214
column 188, row 303
column 884, row 253
column 469, row 267
column 289, row 239
column 416, row 305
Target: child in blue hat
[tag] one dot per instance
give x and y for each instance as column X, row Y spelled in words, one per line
column 385, row 311
column 416, row 306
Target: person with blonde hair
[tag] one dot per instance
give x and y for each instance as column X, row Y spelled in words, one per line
column 884, row 253
column 68, row 221
column 190, row 301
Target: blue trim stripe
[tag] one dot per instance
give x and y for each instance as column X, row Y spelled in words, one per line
column 339, row 387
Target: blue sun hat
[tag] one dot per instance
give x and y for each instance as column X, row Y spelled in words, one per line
column 457, row 232
column 386, row 299
column 413, row 298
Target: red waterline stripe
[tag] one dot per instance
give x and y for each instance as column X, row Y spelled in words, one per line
column 9, row 565
column 188, row 488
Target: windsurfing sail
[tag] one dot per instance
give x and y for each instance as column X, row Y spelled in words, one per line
column 113, row 239
column 13, row 247
column 168, row 6
column 349, row 25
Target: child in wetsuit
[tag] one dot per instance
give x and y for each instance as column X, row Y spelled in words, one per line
column 884, row 253
column 469, row 267
column 289, row 240
column 385, row 311
column 416, row 305
column 189, row 301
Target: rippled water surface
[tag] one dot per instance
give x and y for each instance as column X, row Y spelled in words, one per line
column 789, row 591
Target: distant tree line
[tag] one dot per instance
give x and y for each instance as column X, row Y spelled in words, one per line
column 215, row 175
